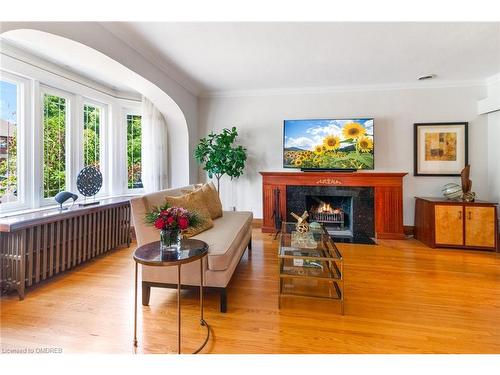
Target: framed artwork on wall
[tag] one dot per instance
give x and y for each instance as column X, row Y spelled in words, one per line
column 440, row 148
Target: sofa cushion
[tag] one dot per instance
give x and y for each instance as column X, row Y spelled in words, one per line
column 225, row 238
column 157, row 199
column 192, row 202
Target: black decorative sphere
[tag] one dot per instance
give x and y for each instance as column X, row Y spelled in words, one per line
column 89, row 181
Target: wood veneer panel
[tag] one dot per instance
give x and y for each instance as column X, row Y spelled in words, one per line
column 480, row 226
column 449, row 225
column 389, row 212
column 424, row 222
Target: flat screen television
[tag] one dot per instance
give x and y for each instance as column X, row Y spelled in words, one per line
column 336, row 144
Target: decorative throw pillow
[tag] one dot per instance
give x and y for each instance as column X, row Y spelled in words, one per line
column 191, row 188
column 210, row 197
column 195, row 203
column 212, row 200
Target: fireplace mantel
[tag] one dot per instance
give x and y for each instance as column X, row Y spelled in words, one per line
column 388, row 189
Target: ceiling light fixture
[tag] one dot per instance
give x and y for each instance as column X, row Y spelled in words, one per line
column 428, row 76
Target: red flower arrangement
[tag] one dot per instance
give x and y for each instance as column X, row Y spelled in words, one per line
column 172, row 218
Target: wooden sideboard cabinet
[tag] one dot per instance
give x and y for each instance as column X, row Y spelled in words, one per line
column 441, row 222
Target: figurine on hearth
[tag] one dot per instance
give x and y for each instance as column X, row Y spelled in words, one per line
column 467, row 194
column 302, row 225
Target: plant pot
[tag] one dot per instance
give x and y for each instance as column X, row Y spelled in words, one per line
column 170, row 240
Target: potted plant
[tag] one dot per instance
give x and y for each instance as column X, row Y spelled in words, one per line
column 220, row 156
column 171, row 221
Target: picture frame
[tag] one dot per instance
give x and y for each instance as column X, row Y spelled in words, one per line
column 440, row 148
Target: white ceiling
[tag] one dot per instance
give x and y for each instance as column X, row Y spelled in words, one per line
column 210, row 57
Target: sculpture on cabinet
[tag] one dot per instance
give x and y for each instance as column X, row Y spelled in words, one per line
column 467, row 194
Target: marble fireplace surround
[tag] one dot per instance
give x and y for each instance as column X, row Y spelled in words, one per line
column 387, row 195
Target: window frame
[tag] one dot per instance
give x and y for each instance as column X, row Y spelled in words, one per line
column 103, row 140
column 132, row 111
column 23, row 123
column 70, row 140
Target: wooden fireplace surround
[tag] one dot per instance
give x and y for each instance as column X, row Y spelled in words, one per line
column 388, row 191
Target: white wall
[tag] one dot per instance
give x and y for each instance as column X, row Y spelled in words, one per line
column 494, row 155
column 259, row 120
column 493, row 119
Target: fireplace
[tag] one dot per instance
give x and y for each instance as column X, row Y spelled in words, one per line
column 378, row 210
column 347, row 212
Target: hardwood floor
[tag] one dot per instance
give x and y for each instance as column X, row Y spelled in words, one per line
column 401, row 297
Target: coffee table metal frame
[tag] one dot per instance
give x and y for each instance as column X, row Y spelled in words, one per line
column 330, row 256
column 169, row 263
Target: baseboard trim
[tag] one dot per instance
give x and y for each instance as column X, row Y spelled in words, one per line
column 409, row 230
column 390, row 236
column 257, row 223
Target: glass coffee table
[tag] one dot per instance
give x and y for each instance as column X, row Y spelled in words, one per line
column 310, row 265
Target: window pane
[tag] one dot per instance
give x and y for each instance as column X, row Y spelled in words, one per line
column 8, row 142
column 54, row 142
column 91, row 135
column 134, row 163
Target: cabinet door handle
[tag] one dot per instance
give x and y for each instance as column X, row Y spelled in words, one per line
column 469, row 214
column 459, row 215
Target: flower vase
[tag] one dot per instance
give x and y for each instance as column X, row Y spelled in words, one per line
column 170, row 240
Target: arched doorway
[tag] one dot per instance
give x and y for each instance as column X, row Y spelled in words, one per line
column 83, row 48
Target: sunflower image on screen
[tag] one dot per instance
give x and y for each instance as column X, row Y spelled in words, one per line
column 328, row 144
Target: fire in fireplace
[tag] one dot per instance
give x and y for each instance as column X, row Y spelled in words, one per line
column 324, row 212
column 335, row 212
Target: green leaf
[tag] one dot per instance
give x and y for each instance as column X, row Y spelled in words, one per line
column 220, row 156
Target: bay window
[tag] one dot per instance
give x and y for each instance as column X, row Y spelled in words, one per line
column 91, row 135
column 8, row 141
column 55, row 121
column 14, row 91
column 134, row 153
column 50, row 128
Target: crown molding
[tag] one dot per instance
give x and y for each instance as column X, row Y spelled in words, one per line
column 336, row 89
column 171, row 71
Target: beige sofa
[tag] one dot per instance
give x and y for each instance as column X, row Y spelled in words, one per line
column 227, row 240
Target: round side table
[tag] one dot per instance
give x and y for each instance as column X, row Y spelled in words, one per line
column 190, row 250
